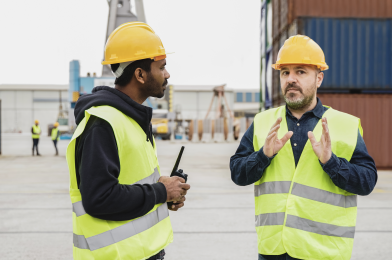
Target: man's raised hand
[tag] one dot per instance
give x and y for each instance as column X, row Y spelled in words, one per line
column 323, row 148
column 272, row 144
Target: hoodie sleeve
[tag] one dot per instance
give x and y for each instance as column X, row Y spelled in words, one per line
column 98, row 169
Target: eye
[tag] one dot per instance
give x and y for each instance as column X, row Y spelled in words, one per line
column 301, row 72
column 285, row 73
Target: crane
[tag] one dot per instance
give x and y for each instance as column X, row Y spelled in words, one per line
column 119, row 13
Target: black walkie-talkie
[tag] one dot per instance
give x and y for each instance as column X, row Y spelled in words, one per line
column 179, row 173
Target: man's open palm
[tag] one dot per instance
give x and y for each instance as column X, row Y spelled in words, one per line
column 272, row 144
column 322, row 149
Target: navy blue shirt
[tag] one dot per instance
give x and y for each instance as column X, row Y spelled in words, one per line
column 358, row 176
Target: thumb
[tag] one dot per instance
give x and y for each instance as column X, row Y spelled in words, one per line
column 312, row 138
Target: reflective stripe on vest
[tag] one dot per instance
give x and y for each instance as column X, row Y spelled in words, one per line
column 122, row 232
column 299, row 210
column 319, row 228
column 306, row 192
column 78, row 208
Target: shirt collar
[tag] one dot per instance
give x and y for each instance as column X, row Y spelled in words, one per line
column 317, row 111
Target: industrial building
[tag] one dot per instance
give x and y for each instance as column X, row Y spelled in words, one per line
column 22, row 104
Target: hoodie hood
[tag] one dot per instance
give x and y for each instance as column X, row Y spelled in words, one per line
column 104, row 95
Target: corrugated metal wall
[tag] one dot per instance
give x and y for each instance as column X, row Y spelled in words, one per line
column 286, row 11
column 340, row 8
column 358, row 51
column 375, row 112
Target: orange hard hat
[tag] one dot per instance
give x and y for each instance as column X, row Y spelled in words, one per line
column 300, row 49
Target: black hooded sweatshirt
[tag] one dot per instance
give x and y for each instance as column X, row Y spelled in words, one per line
column 98, row 165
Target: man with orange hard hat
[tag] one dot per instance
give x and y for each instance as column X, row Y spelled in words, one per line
column 118, row 195
column 308, row 163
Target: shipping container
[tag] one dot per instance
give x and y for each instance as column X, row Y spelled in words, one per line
column 375, row 112
column 358, row 52
column 340, row 9
column 286, row 11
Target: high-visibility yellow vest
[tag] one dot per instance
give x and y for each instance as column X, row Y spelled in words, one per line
column 134, row 239
column 36, row 131
column 299, row 210
column 54, row 134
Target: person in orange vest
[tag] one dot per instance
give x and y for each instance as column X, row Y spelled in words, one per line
column 36, row 132
column 55, row 136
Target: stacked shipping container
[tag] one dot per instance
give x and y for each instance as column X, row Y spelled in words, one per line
column 356, row 37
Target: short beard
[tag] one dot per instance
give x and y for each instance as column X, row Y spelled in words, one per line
column 299, row 104
column 153, row 88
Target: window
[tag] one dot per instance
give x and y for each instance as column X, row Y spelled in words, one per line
column 249, row 97
column 240, row 97
column 257, row 97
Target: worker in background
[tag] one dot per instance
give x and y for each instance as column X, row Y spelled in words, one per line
column 55, row 136
column 35, row 132
column 308, row 163
column 117, row 191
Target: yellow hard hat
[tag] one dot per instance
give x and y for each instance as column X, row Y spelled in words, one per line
column 133, row 41
column 300, row 49
column 36, row 122
column 56, row 124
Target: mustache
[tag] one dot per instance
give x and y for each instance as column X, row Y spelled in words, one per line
column 292, row 86
column 164, row 83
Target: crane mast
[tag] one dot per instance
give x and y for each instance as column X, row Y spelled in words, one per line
column 119, row 13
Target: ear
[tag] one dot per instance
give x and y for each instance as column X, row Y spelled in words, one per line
column 319, row 79
column 140, row 75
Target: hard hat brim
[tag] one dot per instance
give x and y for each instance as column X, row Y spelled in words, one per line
column 141, row 58
column 321, row 66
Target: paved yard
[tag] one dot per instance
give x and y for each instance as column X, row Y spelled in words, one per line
column 216, row 223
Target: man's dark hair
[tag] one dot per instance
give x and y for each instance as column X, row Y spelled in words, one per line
column 127, row 75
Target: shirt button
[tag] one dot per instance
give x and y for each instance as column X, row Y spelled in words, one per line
column 295, row 144
column 297, row 124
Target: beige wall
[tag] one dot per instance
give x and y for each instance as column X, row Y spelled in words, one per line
column 21, row 107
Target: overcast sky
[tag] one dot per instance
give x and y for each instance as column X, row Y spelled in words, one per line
column 215, row 41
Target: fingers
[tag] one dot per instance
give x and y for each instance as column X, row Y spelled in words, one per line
column 176, row 207
column 286, row 137
column 271, row 136
column 276, row 125
column 180, row 179
column 312, row 138
column 326, row 130
column 185, row 186
column 274, row 129
column 277, row 122
column 179, row 204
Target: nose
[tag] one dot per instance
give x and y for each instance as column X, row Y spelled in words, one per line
column 167, row 75
column 291, row 78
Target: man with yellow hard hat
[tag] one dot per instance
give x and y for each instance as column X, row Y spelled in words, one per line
column 35, row 133
column 55, row 136
column 118, row 195
column 308, row 163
